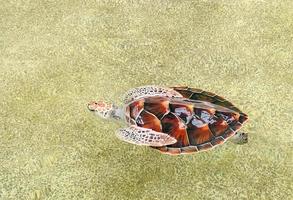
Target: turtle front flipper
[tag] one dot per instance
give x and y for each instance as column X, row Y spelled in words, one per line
column 144, row 136
column 149, row 90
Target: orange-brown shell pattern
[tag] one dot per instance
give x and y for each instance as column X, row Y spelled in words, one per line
column 195, row 129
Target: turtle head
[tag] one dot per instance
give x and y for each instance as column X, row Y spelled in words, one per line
column 105, row 110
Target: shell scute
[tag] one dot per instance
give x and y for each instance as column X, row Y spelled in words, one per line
column 173, row 151
column 163, row 149
column 243, row 118
column 219, row 98
column 195, row 90
column 202, row 97
column 228, row 133
column 189, row 149
column 198, row 131
column 204, row 147
column 218, row 127
column 183, row 111
column 174, row 127
column 235, row 126
column 179, row 88
column 158, row 106
column 209, row 94
column 217, row 141
column 135, row 108
column 149, row 120
column 186, row 93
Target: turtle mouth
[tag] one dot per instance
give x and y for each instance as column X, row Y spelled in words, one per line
column 92, row 106
column 90, row 109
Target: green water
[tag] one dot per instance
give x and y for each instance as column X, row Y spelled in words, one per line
column 55, row 56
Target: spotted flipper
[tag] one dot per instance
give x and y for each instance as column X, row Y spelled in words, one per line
column 150, row 90
column 143, row 136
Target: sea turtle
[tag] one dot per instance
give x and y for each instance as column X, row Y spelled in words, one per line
column 175, row 120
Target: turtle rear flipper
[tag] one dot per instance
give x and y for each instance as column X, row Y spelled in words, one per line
column 144, row 136
column 239, row 138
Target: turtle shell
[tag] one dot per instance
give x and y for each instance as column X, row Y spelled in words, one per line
column 196, row 128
